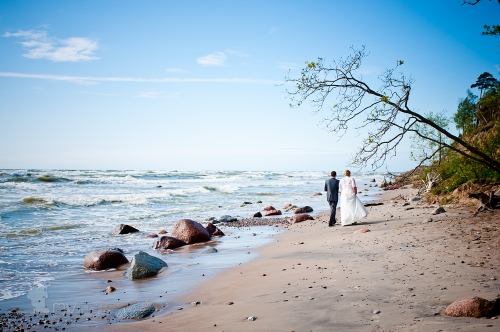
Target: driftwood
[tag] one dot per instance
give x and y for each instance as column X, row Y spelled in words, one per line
column 488, row 203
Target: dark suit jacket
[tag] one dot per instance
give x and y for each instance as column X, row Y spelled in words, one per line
column 332, row 189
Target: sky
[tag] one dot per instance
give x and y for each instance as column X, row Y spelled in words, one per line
column 198, row 85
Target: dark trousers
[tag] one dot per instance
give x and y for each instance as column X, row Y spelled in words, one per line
column 333, row 210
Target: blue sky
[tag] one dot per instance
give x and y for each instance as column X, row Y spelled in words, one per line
column 195, row 85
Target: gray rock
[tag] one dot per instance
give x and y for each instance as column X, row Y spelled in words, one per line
column 136, row 311
column 414, row 199
column 124, row 229
column 439, row 210
column 145, row 266
column 427, row 220
column 210, row 251
column 227, row 218
column 382, row 183
column 376, row 312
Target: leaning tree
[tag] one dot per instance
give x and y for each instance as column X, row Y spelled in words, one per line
column 382, row 113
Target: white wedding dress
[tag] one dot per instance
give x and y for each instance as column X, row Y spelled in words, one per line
column 351, row 208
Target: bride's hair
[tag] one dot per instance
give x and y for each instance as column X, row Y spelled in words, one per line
column 347, row 172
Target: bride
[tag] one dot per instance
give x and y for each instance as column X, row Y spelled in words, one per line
column 351, row 208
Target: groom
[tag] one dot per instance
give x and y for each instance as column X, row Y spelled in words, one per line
column 332, row 195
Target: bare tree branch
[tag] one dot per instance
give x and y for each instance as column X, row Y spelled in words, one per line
column 385, row 112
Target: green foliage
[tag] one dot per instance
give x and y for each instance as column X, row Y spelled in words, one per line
column 429, row 148
column 466, row 112
column 491, row 30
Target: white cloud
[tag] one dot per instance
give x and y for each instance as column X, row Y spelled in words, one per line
column 39, row 45
column 176, row 70
column 87, row 80
column 288, row 65
column 214, row 59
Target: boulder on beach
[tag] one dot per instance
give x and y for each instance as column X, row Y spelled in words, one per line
column 414, row 199
column 382, row 183
column 257, row 215
column 104, row 259
column 190, row 231
column 372, row 180
column 136, row 311
column 305, row 209
column 287, row 206
column 473, row 306
column 144, row 266
column 162, row 231
column 124, row 229
column 213, row 230
column 227, row 218
column 269, row 208
column 300, row 218
column 168, row 242
column 210, row 251
column 273, row 213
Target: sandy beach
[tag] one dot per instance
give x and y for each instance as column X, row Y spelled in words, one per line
column 316, row 278
column 399, row 276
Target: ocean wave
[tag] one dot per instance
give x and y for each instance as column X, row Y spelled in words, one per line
column 49, row 178
column 36, row 200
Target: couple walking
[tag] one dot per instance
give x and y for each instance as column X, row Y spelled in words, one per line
column 351, row 208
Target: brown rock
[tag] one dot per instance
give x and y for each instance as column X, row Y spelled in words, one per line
column 362, row 230
column 213, row 230
column 124, row 229
column 273, row 213
column 218, row 232
column 317, row 194
column 162, row 231
column 473, row 306
column 190, row 231
column 287, row 206
column 151, row 236
column 257, row 215
column 300, row 218
column 269, row 208
column 104, row 259
column 168, row 242
column 305, row 209
column 210, row 228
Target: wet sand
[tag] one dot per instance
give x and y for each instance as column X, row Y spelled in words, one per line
column 319, row 278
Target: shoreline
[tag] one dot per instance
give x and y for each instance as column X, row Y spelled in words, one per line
column 310, row 277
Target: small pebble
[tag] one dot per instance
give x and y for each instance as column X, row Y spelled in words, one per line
column 376, row 312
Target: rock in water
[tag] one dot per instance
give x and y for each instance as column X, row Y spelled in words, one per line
column 210, row 251
column 124, row 229
column 473, row 306
column 305, row 209
column 227, row 219
column 190, row 231
column 273, row 213
column 269, row 208
column 168, row 242
column 136, row 311
column 300, row 218
column 145, row 266
column 104, row 259
column 439, row 210
column 257, row 215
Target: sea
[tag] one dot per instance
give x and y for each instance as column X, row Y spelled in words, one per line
column 51, row 219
